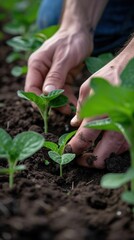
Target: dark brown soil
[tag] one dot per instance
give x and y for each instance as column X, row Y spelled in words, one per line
column 44, row 206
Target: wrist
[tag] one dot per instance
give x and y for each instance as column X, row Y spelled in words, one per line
column 125, row 56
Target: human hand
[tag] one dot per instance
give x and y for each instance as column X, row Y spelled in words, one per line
column 50, row 65
column 85, row 138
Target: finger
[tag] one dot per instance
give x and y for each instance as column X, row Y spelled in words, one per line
column 111, row 142
column 37, row 70
column 57, row 75
column 83, row 139
column 68, row 91
column 84, row 92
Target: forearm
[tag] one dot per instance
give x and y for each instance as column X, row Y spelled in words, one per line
column 83, row 13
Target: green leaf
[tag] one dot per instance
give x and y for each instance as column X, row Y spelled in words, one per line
column 33, row 98
column 12, row 57
column 128, row 197
column 27, row 143
column 50, row 31
column 19, row 44
column 46, row 162
column 19, row 168
column 53, row 94
column 103, row 124
column 65, row 138
column 116, row 180
column 96, row 63
column 116, row 102
column 67, row 157
column 59, row 101
column 106, row 57
column 51, row 145
column 127, row 75
column 55, row 156
column 5, row 143
column 4, row 170
column 18, row 71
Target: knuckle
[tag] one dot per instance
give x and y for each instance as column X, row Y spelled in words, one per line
column 36, row 64
column 54, row 75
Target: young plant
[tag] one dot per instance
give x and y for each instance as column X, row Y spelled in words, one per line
column 57, row 150
column 14, row 150
column 23, row 46
column 117, row 102
column 44, row 102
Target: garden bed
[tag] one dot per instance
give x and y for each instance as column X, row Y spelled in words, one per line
column 44, row 206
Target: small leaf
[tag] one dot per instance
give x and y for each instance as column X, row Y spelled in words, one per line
column 18, row 71
column 65, row 138
column 59, row 101
column 54, row 94
column 46, row 162
column 128, row 197
column 50, row 31
column 67, row 157
column 4, row 170
column 12, row 57
column 51, row 145
column 27, row 143
column 33, row 98
column 55, row 156
column 116, row 180
column 94, row 64
column 127, row 76
column 20, row 168
column 103, row 124
column 5, row 143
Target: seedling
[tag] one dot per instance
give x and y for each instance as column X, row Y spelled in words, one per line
column 117, row 102
column 24, row 45
column 14, row 150
column 44, row 102
column 57, row 150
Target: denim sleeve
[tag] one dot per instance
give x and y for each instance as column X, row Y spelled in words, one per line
column 113, row 30
column 49, row 13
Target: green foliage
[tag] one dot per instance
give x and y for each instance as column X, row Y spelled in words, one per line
column 24, row 45
column 57, row 150
column 14, row 150
column 117, row 103
column 95, row 63
column 44, row 102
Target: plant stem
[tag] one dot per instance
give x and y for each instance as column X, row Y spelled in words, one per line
column 60, row 170
column 46, row 119
column 11, row 176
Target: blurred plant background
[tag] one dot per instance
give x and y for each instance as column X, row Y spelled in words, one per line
column 19, row 23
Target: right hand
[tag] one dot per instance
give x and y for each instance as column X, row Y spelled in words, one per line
column 49, row 66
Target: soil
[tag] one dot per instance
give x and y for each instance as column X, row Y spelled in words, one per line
column 44, row 206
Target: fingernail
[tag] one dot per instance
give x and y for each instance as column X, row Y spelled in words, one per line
column 49, row 88
column 75, row 121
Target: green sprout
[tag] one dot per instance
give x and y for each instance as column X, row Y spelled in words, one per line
column 23, row 46
column 44, row 102
column 57, row 150
column 117, row 102
column 16, row 150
